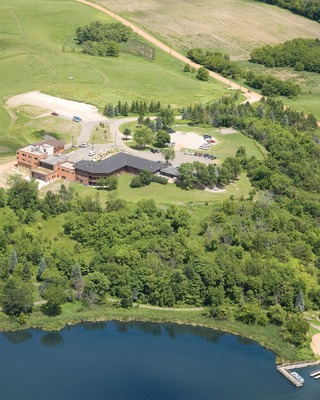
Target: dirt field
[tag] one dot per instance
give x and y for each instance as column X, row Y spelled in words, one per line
column 64, row 107
column 232, row 26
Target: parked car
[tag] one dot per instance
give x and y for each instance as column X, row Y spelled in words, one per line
column 55, row 114
column 200, row 154
column 191, row 153
column 207, row 137
column 186, row 152
column 76, row 119
column 92, row 153
column 211, row 141
column 170, row 130
column 83, row 145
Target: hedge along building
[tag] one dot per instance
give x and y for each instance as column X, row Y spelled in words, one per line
column 88, row 172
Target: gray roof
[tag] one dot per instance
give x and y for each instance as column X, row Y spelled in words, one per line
column 170, row 171
column 53, row 160
column 116, row 162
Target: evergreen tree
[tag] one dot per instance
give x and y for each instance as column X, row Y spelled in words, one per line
column 260, row 112
column 26, row 273
column 77, row 280
column 42, row 268
column 184, row 114
column 299, row 303
column 109, row 111
column 116, row 111
column 159, row 124
column 125, row 109
column 186, row 68
column 151, row 107
column 13, row 260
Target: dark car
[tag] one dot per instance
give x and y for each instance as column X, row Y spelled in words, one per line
column 207, row 137
column 55, row 114
column 170, row 130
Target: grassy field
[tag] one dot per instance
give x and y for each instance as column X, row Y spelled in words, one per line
column 38, row 52
column 162, row 194
column 309, row 82
column 232, row 26
column 227, row 144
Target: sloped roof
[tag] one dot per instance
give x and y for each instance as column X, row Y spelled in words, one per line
column 116, row 162
column 170, row 171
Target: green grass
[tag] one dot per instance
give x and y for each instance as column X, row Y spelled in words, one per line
column 38, row 35
column 308, row 100
column 100, row 135
column 162, row 194
column 227, row 144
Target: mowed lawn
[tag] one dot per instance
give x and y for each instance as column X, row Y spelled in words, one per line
column 227, row 144
column 162, row 194
column 38, row 52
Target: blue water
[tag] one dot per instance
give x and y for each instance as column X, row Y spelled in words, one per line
column 141, row 361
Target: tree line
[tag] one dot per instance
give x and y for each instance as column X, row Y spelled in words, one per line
column 268, row 84
column 300, row 54
column 140, row 107
column 102, row 39
column 307, row 8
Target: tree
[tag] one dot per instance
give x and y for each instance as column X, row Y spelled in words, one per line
column 184, row 114
column 96, row 286
column 186, row 68
column 55, row 296
column 203, row 74
column 168, row 154
column 42, row 267
column 299, row 304
column 162, row 138
column 109, row 110
column 13, row 260
column 17, row 298
column 252, row 314
column 23, row 194
column 167, row 117
column 77, row 280
column 127, row 132
column 143, row 136
column 295, row 329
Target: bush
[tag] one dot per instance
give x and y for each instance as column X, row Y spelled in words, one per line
column 159, row 179
column 136, row 182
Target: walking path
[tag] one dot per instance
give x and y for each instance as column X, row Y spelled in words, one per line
column 251, row 96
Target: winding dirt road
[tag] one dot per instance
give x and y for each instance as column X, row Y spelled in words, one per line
column 251, row 96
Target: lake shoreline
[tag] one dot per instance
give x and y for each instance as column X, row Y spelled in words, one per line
column 267, row 337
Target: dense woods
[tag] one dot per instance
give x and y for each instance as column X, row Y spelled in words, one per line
column 101, row 39
column 307, row 8
column 268, row 84
column 301, row 54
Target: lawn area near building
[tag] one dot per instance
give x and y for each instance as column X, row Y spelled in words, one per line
column 162, row 194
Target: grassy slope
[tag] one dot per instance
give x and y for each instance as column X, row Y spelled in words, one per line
column 38, row 34
column 234, row 27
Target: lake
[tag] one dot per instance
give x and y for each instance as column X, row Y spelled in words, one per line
column 141, row 361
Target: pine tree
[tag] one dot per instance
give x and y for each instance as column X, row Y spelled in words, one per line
column 41, row 269
column 26, row 273
column 184, row 114
column 299, row 304
column 159, row 124
column 77, row 280
column 13, row 260
column 109, row 111
column 260, row 112
column 151, row 107
column 186, row 68
column 116, row 111
column 125, row 109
